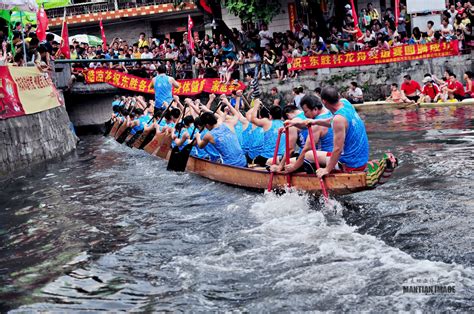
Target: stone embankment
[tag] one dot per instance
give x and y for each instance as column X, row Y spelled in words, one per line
column 34, row 138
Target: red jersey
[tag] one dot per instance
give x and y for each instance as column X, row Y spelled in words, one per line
column 431, row 91
column 472, row 88
column 457, row 86
column 410, row 88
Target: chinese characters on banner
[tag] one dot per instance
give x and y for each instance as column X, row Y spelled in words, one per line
column 143, row 85
column 395, row 54
column 292, row 15
column 26, row 90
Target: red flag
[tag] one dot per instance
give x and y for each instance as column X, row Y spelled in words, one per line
column 64, row 48
column 354, row 14
column 190, row 32
column 104, row 40
column 356, row 20
column 205, row 6
column 397, row 12
column 42, row 20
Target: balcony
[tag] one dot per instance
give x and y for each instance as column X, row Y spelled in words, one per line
column 105, row 6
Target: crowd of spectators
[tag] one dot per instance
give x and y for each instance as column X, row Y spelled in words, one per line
column 268, row 52
column 260, row 53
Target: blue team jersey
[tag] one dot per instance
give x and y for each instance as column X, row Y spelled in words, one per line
column 355, row 153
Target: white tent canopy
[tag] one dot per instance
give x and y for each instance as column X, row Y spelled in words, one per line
column 22, row 5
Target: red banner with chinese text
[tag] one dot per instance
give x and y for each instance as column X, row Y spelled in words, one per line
column 144, row 85
column 292, row 15
column 394, row 54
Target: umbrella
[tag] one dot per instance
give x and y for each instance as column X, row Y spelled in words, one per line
column 25, row 17
column 57, row 38
column 19, row 5
column 31, row 5
column 51, row 4
column 87, row 39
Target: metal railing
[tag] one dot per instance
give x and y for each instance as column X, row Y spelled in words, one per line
column 82, row 8
column 63, row 67
column 104, row 6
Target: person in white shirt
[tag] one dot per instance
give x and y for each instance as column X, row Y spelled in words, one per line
column 355, row 94
column 452, row 11
column 147, row 54
column 446, row 29
column 171, row 54
column 265, row 36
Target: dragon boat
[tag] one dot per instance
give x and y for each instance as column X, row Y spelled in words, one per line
column 257, row 178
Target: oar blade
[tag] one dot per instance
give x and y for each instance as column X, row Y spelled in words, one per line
column 179, row 158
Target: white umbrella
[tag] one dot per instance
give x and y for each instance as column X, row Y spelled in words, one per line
column 86, row 39
column 19, row 5
column 57, row 38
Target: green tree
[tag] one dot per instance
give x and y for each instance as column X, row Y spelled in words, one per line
column 254, row 10
column 246, row 10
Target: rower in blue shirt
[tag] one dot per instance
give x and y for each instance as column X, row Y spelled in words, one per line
column 270, row 121
column 313, row 109
column 222, row 135
column 350, row 145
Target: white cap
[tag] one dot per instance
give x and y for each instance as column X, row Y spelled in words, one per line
column 348, row 6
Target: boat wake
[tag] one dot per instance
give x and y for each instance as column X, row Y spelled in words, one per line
column 203, row 246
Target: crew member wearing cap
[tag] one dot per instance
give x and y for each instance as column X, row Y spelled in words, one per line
column 430, row 91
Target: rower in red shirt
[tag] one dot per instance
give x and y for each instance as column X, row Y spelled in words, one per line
column 456, row 87
column 430, row 92
column 410, row 88
column 469, row 79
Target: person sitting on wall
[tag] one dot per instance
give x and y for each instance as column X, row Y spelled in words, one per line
column 430, row 92
column 410, row 88
column 355, row 94
column 396, row 96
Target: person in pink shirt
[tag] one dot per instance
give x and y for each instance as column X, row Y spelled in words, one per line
column 397, row 96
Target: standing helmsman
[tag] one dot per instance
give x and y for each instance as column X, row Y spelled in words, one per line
column 351, row 146
column 163, row 85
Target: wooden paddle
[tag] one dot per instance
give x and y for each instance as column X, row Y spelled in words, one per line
column 174, row 163
column 287, row 154
column 274, row 161
column 316, row 161
column 179, row 159
column 109, row 124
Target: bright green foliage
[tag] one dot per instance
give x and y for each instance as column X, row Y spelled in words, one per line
column 254, row 10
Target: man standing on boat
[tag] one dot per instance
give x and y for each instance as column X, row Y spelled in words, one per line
column 163, row 85
column 351, row 146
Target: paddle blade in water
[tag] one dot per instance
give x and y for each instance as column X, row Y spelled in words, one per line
column 179, row 158
column 108, row 126
column 148, row 139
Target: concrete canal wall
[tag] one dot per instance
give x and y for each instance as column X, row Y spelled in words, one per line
column 34, row 138
column 374, row 80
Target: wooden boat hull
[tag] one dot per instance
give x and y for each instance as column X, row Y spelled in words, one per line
column 383, row 105
column 139, row 141
column 115, row 128
column 258, row 178
column 120, row 130
column 337, row 184
column 159, row 146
